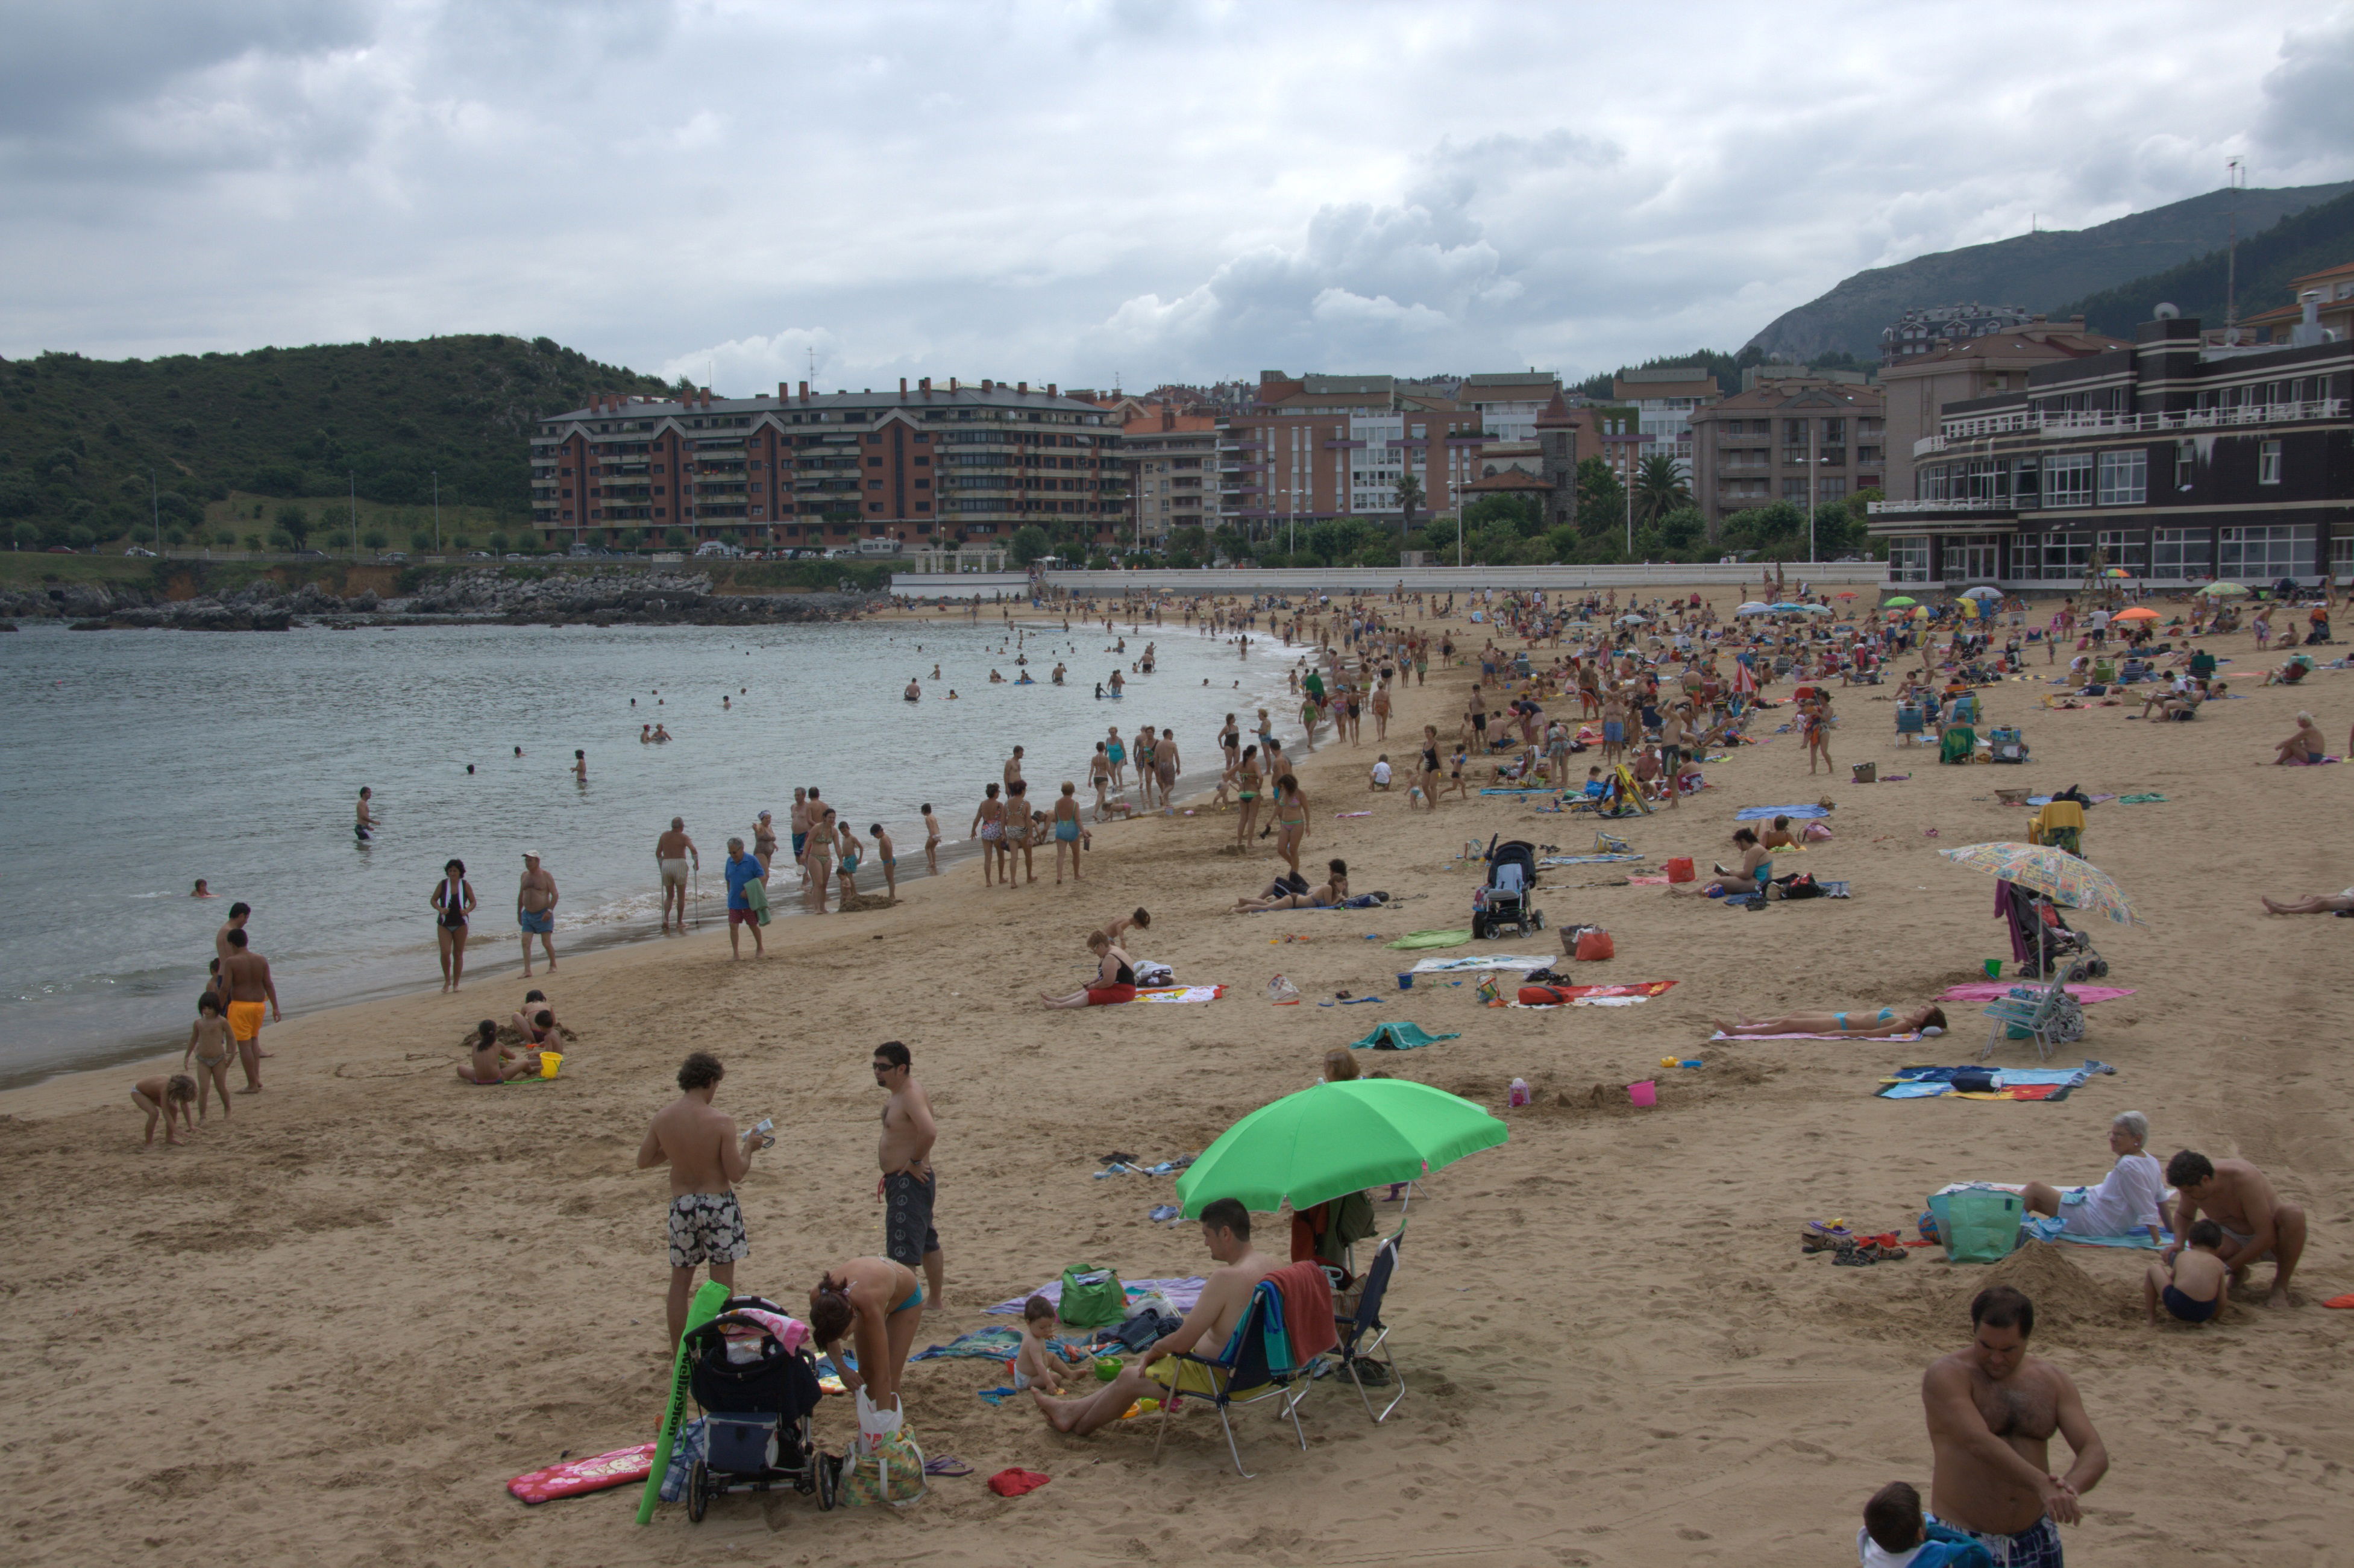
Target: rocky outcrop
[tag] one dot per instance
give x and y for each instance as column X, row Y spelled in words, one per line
column 600, row 599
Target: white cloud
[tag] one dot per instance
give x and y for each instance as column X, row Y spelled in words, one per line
column 1061, row 192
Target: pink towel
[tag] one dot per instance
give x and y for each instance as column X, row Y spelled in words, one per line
column 1987, row 991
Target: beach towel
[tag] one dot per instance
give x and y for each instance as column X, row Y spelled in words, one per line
column 2089, row 799
column 1922, row 1083
column 1587, row 859
column 574, row 1476
column 1182, row 1293
column 1599, row 995
column 1721, row 1035
column 1768, row 813
column 1988, row 990
column 1306, row 1310
column 1481, row 961
column 1399, row 1037
column 2144, row 799
column 1168, row 993
column 1417, row 940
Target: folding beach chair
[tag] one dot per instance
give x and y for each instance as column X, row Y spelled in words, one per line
column 1912, row 726
column 2050, row 1015
column 1364, row 1338
column 2061, row 824
column 1243, row 1375
column 1959, row 741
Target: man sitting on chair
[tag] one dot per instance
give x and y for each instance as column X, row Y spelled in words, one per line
column 1225, row 1230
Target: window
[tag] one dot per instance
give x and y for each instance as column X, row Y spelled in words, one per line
column 1908, row 558
column 2264, row 553
column 2268, row 464
column 1794, row 491
column 2341, row 555
column 2066, row 557
column 2181, row 553
column 2124, row 478
column 2126, row 548
column 1970, row 557
column 2068, row 481
column 1831, row 487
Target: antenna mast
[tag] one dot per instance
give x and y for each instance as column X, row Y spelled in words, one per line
column 2234, row 171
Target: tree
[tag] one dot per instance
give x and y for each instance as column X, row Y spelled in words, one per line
column 1188, row 546
column 1520, row 513
column 1659, row 487
column 375, row 539
column 1336, row 539
column 1601, row 499
column 1029, row 543
column 1231, row 542
column 295, row 523
column 1409, row 496
column 1777, row 531
column 421, row 541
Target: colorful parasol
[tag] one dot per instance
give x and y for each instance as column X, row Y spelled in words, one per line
column 2059, row 877
column 2139, row 612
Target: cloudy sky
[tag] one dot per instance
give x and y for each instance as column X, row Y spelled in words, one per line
column 1074, row 192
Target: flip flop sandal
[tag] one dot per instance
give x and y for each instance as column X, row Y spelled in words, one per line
column 1853, row 1257
column 946, row 1465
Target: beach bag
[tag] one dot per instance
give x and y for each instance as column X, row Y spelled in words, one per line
column 1980, row 1224
column 1865, row 772
column 1594, row 943
column 1681, row 869
column 1282, row 992
column 1816, row 832
column 1488, row 991
column 889, row 1471
column 1092, row 1296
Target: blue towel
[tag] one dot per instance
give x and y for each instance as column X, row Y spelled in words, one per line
column 1277, row 1337
column 1768, row 813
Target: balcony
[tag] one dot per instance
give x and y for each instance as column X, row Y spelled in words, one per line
column 1984, row 505
column 2097, row 423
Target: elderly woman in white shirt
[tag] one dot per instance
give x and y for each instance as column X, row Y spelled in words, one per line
column 2130, row 1198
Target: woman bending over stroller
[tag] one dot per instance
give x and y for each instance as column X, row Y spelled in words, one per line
column 1859, row 1025
column 879, row 1303
column 1331, row 894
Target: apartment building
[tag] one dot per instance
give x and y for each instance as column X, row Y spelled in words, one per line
column 1664, row 401
column 1925, row 331
column 1508, row 403
column 1315, row 447
column 2173, row 459
column 1985, row 365
column 1808, row 440
column 2323, row 300
column 1172, row 457
column 925, row 465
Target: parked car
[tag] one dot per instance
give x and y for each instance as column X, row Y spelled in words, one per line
column 136, row 550
column 397, row 557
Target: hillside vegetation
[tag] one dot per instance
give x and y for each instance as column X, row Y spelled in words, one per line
column 80, row 438
column 2305, row 242
column 2034, row 272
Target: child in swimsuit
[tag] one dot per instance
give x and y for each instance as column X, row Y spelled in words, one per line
column 1039, row 1364
column 166, row 1098
column 212, row 1046
column 2192, row 1290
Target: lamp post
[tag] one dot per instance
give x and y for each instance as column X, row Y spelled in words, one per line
column 352, row 479
column 437, row 511
column 155, row 504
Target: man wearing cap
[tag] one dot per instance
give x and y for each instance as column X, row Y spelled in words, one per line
column 535, row 910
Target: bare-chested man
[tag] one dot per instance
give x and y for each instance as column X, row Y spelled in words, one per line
column 246, row 977
column 2258, row 1226
column 239, row 914
column 1992, row 1409
column 535, row 911
column 362, row 819
column 1013, row 770
column 676, row 853
column 1226, row 1296
column 706, row 1160
column 799, row 821
column 909, row 1186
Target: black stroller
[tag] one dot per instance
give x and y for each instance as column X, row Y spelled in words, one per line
column 757, row 1398
column 2052, row 948
column 1506, row 903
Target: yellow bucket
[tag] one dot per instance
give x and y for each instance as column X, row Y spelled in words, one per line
column 549, row 1061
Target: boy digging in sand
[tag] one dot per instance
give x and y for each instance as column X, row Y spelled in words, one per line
column 166, row 1097
column 2192, row 1288
column 212, row 1044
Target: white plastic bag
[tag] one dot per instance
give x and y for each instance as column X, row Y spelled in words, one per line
column 1281, row 991
column 874, row 1425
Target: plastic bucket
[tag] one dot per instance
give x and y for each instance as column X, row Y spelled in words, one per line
column 1406, row 980
column 549, row 1061
column 1994, row 968
column 1645, row 1092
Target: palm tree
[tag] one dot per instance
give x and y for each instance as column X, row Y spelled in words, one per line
column 1659, row 487
column 1409, row 496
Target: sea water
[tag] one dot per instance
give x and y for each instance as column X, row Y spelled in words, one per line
column 139, row 761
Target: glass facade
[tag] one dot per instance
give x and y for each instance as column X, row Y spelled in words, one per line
column 1971, row 557
column 1908, row 558
column 2068, row 480
column 2262, row 553
column 2183, row 554
column 2124, row 478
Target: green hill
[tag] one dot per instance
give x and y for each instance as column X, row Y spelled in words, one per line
column 78, row 437
column 2034, row 272
column 2304, row 242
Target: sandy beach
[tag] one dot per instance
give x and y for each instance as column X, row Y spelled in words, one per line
column 330, row 1329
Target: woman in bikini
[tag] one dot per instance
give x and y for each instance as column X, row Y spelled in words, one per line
column 1115, row 981
column 817, row 857
column 1144, row 772
column 1066, row 830
column 1247, row 780
column 1429, row 766
column 878, row 1305
column 1330, row 895
column 1099, row 775
column 1859, row 1024
column 989, row 826
column 454, row 902
column 1291, row 820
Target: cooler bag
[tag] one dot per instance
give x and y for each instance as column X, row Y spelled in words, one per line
column 1092, row 1296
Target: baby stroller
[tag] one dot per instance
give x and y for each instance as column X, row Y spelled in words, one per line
column 2054, row 948
column 757, row 1397
column 1504, row 903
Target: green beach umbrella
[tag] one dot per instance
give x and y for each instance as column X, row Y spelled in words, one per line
column 1899, row 602
column 2222, row 590
column 1322, row 1143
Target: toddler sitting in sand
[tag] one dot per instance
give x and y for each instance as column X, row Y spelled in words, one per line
column 2192, row 1290
column 1039, row 1364
column 1894, row 1535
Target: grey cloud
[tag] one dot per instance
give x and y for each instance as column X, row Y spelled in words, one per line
column 2308, row 98
column 65, row 63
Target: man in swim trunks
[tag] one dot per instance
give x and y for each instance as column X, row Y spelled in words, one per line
column 1226, row 1296
column 909, row 1185
column 800, row 817
column 246, row 977
column 239, row 914
column 363, row 821
column 705, row 1159
column 2258, row 1226
column 535, row 911
column 1992, row 1409
column 676, row 855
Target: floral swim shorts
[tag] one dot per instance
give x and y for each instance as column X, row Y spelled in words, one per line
column 705, row 1227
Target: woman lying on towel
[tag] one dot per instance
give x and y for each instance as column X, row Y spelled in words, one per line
column 1331, row 894
column 1115, row 979
column 1859, row 1024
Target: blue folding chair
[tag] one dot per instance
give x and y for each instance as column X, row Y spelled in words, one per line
column 1364, row 1338
column 1243, row 1373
